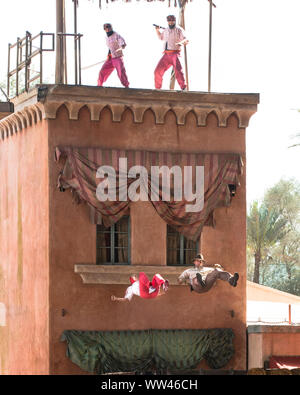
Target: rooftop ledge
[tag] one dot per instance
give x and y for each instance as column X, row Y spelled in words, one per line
column 43, row 101
column 119, row 274
column 273, row 328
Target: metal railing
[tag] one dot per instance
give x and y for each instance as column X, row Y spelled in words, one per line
column 24, row 54
column 77, row 53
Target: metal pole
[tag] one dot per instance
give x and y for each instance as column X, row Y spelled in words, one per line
column 17, row 68
column 209, row 45
column 59, row 67
column 26, row 63
column 65, row 75
column 8, row 69
column 79, row 59
column 27, row 60
column 185, row 57
column 75, row 40
column 41, row 57
column 29, row 56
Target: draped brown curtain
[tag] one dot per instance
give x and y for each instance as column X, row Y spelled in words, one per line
column 220, row 170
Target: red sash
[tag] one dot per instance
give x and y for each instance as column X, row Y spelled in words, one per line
column 172, row 51
column 145, row 285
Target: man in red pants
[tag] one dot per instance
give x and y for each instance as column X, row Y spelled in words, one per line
column 114, row 60
column 144, row 288
column 174, row 37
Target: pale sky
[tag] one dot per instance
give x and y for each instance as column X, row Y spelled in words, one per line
column 255, row 49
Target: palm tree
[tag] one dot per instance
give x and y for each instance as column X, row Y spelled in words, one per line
column 265, row 227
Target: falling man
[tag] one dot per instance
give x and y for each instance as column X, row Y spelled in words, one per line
column 144, row 288
column 203, row 275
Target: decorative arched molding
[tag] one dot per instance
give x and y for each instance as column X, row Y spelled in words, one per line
column 160, row 112
column 20, row 120
column 49, row 98
column 127, row 114
column 73, row 109
column 201, row 116
column 95, row 110
column 223, row 116
column 27, row 118
column 244, row 117
column 138, row 112
column 213, row 114
column 12, row 125
column 117, row 111
column 40, row 110
column 181, row 113
column 191, row 113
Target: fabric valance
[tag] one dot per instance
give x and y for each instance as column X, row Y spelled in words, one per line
column 220, row 170
column 138, row 351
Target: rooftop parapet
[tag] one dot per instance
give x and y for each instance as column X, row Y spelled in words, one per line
column 44, row 101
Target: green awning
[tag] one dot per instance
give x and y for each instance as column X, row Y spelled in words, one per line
column 138, row 351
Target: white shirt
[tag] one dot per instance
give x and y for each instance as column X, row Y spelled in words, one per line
column 171, row 37
column 114, row 42
column 134, row 289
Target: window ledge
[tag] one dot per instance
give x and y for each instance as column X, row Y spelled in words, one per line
column 119, row 274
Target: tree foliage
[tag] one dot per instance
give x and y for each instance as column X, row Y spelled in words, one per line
column 265, row 227
column 297, row 136
column 273, row 233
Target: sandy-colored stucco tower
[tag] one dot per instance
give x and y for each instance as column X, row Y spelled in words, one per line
column 53, row 276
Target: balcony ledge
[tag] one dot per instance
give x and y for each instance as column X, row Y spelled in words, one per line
column 119, row 274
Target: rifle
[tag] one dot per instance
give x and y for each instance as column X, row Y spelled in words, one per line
column 158, row 26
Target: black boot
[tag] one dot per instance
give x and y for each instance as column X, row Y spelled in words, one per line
column 234, row 279
column 199, row 279
column 192, row 289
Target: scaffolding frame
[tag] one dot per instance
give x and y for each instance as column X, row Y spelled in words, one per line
column 24, row 56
